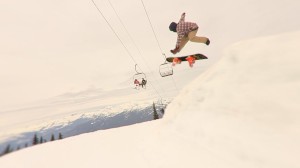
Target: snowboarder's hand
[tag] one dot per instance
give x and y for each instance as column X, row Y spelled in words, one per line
column 176, row 50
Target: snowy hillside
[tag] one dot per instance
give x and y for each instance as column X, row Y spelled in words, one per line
column 77, row 123
column 76, row 113
column 243, row 112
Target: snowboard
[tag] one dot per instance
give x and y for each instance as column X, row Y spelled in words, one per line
column 183, row 58
column 190, row 58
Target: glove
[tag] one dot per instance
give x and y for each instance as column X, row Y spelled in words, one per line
column 176, row 50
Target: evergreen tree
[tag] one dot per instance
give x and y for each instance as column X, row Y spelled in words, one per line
column 35, row 140
column 162, row 111
column 52, row 138
column 7, row 150
column 60, row 136
column 41, row 140
column 155, row 114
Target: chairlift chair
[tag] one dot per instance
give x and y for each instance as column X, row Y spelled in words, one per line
column 165, row 69
column 139, row 76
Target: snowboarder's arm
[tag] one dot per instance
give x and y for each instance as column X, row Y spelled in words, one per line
column 182, row 19
column 179, row 39
column 180, row 36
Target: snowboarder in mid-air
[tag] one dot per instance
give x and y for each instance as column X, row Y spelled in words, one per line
column 186, row 31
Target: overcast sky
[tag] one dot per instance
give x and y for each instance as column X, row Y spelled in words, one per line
column 50, row 47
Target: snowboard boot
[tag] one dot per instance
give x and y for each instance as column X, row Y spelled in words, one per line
column 176, row 61
column 191, row 60
column 207, row 42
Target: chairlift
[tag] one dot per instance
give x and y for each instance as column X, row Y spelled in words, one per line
column 165, row 69
column 139, row 78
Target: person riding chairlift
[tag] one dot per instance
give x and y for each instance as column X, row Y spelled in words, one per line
column 137, row 83
column 144, row 83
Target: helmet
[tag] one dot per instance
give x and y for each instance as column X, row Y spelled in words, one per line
column 173, row 27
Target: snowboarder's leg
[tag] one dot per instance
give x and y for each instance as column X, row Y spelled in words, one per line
column 183, row 43
column 192, row 37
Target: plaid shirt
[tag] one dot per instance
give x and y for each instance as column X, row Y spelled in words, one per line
column 183, row 29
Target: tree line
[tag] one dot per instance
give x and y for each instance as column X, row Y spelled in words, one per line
column 35, row 141
column 40, row 140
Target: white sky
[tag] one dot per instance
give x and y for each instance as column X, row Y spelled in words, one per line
column 55, row 46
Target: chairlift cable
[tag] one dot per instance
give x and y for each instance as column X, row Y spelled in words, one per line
column 119, row 39
column 114, row 31
column 156, row 39
column 152, row 27
column 129, row 35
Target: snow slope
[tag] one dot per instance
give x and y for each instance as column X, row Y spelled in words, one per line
column 243, row 112
column 52, row 48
